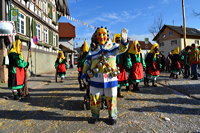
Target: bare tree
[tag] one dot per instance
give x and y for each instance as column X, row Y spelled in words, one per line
column 196, row 13
column 156, row 26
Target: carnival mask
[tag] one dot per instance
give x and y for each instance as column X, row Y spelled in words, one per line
column 102, row 35
column 156, row 49
column 138, row 48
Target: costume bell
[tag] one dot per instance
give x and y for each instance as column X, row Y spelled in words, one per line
column 16, row 69
column 153, row 64
column 61, row 65
column 101, row 67
column 136, row 72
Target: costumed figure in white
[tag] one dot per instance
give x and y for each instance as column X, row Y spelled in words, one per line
column 100, row 66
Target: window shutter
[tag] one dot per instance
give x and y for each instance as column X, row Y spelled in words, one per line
column 33, row 28
column 56, row 19
column 16, row 25
column 56, row 40
column 28, row 26
column 50, row 10
column 50, row 37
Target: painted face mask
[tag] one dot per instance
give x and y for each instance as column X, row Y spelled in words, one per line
column 101, row 36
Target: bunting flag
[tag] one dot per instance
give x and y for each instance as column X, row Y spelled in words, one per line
column 85, row 24
column 81, row 22
column 82, row 38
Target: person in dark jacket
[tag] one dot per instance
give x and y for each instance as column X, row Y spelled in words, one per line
column 176, row 64
column 153, row 65
column 194, row 61
column 82, row 57
column 186, row 65
column 16, row 70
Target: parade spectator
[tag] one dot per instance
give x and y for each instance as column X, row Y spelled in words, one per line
column 101, row 67
column 162, row 58
column 16, row 70
column 153, row 65
column 82, row 56
column 194, row 60
column 176, row 64
column 136, row 73
column 186, row 65
column 61, row 65
column 168, row 62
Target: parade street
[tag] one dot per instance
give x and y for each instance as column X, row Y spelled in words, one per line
column 173, row 106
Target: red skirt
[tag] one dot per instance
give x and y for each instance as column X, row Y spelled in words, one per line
column 20, row 75
column 137, row 72
column 61, row 68
column 153, row 70
column 122, row 76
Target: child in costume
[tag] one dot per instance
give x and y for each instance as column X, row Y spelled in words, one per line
column 176, row 65
column 153, row 65
column 121, row 61
column 16, row 70
column 61, row 65
column 136, row 73
column 81, row 60
column 101, row 67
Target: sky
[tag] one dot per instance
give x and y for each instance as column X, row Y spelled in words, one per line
column 135, row 15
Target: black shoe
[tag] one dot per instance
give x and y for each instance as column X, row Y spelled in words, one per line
column 127, row 88
column 82, row 89
column 16, row 97
column 27, row 95
column 120, row 95
column 112, row 121
column 154, row 85
column 20, row 94
column 93, row 120
column 194, row 78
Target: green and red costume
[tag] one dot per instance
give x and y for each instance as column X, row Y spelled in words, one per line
column 61, row 65
column 123, row 64
column 16, row 71
column 137, row 73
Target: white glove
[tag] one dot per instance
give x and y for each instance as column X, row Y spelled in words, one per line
column 124, row 34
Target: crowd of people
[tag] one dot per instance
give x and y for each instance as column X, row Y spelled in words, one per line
column 183, row 62
column 106, row 66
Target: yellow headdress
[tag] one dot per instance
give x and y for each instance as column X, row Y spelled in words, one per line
column 85, row 47
column 60, row 55
column 16, row 48
column 153, row 48
column 176, row 50
column 133, row 48
column 115, row 36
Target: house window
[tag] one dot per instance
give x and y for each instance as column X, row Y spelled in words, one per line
column 173, row 42
column 164, row 35
column 20, row 24
column 45, row 39
column 196, row 42
column 170, row 33
column 38, row 30
column 45, row 6
column 162, row 44
column 54, row 40
column 54, row 14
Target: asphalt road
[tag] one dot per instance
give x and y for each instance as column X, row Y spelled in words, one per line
column 58, row 108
